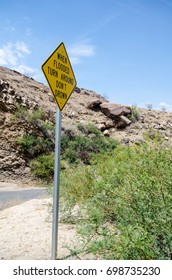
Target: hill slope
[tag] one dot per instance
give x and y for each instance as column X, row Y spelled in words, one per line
column 27, row 106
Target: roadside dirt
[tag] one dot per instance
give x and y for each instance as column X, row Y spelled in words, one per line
column 25, row 232
column 26, row 229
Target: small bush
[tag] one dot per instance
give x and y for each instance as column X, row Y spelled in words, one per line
column 27, row 142
column 21, row 111
column 135, row 115
column 32, row 145
column 38, row 114
column 30, row 115
column 43, row 166
column 49, row 126
column 153, row 136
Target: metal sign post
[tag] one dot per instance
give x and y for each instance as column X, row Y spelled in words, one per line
column 56, row 185
column 61, row 79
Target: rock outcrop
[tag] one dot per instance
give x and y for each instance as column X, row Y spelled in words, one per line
column 117, row 113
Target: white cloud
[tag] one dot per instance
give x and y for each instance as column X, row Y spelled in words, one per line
column 7, row 55
column 78, row 51
column 82, row 50
column 11, row 54
column 22, row 48
column 75, row 60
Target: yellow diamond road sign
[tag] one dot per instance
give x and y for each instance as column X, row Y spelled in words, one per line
column 59, row 74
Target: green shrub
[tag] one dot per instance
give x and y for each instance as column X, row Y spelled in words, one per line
column 80, row 148
column 127, row 199
column 76, row 150
column 38, row 114
column 27, row 142
column 43, row 166
column 153, row 136
column 92, row 129
column 135, row 115
column 33, row 145
column 21, row 111
column 49, row 126
column 31, row 116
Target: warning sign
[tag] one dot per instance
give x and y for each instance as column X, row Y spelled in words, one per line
column 59, row 74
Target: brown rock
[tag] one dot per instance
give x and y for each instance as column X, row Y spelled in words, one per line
column 3, row 106
column 94, row 105
column 106, row 125
column 113, row 110
column 101, row 126
column 122, row 122
column 77, row 90
column 125, row 120
column 109, row 124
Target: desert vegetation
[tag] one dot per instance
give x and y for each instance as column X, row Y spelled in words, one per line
column 123, row 194
column 125, row 203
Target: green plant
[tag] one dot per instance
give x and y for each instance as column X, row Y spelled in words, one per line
column 80, row 148
column 27, row 142
column 33, row 145
column 127, row 200
column 154, row 136
column 38, row 114
column 31, row 116
column 21, row 112
column 48, row 130
column 43, row 166
column 135, row 115
column 92, row 129
column 49, row 126
column 82, row 128
column 76, row 150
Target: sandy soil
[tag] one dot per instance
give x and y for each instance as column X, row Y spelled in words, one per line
column 25, row 232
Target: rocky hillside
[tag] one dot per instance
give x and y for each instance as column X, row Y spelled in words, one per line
column 20, row 96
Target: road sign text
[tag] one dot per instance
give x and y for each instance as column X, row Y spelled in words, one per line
column 59, row 74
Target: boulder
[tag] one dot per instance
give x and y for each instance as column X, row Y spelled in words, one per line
column 113, row 110
column 109, row 124
column 121, row 122
column 94, row 105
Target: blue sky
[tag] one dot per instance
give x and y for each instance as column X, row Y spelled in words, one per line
column 122, row 49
